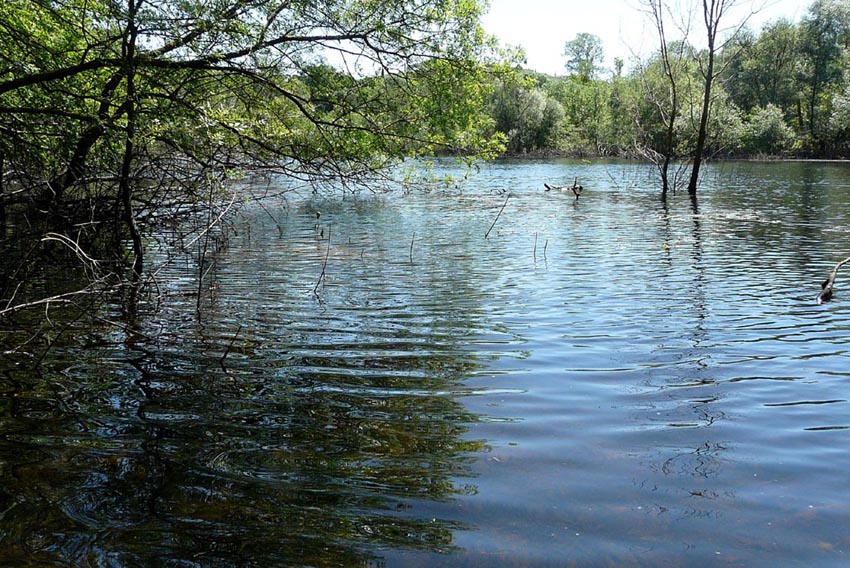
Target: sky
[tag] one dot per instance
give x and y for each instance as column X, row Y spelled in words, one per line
column 542, row 27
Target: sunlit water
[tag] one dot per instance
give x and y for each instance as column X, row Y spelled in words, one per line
column 608, row 381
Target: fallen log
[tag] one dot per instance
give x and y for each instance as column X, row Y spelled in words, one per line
column 828, row 284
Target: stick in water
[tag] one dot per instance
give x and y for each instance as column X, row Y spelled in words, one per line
column 230, row 346
column 324, row 264
column 826, row 288
column 487, row 234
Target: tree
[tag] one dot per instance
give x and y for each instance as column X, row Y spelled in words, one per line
column 662, row 90
column 764, row 70
column 586, row 110
column 766, row 132
column 122, row 108
column 584, row 54
column 713, row 12
column 825, row 32
column 529, row 118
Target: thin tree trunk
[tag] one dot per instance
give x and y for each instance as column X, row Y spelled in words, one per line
column 125, row 183
column 706, row 107
column 77, row 164
column 2, row 196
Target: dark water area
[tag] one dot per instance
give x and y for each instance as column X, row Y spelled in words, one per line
column 613, row 381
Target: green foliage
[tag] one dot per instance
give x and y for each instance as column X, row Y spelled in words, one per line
column 527, row 116
column 825, row 34
column 312, row 89
column 765, row 132
column 777, row 92
column 584, row 55
column 764, row 70
column 839, row 123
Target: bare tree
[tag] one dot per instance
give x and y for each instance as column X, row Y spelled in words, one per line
column 667, row 104
column 713, row 13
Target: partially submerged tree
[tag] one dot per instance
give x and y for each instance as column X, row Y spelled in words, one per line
column 827, row 286
column 662, row 86
column 713, row 14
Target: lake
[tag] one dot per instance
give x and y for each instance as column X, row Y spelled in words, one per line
column 484, row 374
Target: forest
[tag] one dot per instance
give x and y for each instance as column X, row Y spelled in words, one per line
column 781, row 91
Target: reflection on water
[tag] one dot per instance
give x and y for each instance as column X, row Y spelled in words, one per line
column 609, row 381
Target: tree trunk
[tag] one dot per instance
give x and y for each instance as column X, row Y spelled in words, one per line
column 2, row 196
column 703, row 120
column 77, row 164
column 125, row 183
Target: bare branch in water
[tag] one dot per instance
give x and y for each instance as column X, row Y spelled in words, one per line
column 229, row 346
column 575, row 188
column 321, row 279
column 828, row 284
column 487, row 234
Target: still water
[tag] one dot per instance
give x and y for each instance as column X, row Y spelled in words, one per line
column 612, row 381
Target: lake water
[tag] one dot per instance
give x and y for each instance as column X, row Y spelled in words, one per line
column 612, row 381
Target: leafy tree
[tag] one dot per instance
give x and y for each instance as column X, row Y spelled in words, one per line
column 825, row 34
column 529, row 118
column 839, row 123
column 764, row 69
column 584, row 55
column 123, row 108
column 586, row 111
column 765, row 132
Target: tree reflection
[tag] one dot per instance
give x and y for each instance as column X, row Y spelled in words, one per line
column 310, row 448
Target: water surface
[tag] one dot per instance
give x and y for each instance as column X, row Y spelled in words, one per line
column 608, row 381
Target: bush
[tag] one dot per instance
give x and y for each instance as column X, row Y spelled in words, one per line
column 766, row 133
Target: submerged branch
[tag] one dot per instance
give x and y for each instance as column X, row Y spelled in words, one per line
column 828, row 284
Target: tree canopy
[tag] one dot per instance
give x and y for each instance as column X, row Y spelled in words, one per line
column 779, row 91
column 119, row 109
column 584, row 56
column 305, row 87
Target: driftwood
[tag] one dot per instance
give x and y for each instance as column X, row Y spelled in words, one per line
column 826, row 288
column 575, row 188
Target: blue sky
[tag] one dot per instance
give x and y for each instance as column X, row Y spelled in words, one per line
column 542, row 27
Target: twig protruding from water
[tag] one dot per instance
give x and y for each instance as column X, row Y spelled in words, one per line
column 826, row 288
column 229, row 346
column 324, row 265
column 487, row 234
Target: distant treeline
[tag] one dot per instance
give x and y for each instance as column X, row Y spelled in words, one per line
column 780, row 92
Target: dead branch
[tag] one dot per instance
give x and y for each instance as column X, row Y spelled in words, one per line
column 575, row 188
column 321, row 279
column 487, row 234
column 229, row 346
column 65, row 298
column 828, row 284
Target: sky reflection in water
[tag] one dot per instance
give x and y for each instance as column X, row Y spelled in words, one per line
column 607, row 381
